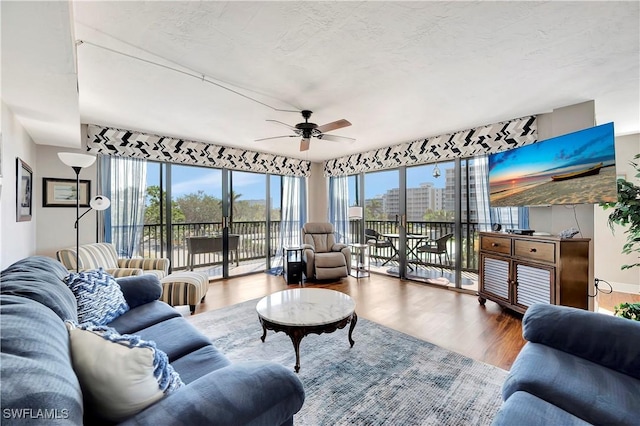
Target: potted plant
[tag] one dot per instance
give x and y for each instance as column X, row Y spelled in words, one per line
column 626, row 212
column 628, row 310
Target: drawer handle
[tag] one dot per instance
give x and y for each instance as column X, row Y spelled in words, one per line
column 494, row 244
column 533, row 250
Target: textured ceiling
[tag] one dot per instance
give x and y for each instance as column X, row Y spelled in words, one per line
column 398, row 71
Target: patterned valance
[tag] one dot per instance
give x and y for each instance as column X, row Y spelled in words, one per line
column 464, row 144
column 125, row 143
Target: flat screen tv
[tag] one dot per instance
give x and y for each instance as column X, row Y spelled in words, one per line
column 576, row 168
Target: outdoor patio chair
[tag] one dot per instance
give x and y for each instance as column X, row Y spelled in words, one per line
column 378, row 241
column 437, row 247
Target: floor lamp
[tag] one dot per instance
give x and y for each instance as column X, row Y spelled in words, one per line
column 78, row 162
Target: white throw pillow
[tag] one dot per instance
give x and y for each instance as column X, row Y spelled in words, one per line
column 122, row 374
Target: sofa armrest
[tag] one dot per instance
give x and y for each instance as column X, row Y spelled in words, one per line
column 250, row 393
column 604, row 339
column 338, row 247
column 146, row 264
column 123, row 272
column 140, row 289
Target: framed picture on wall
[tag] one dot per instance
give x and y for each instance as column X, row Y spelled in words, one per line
column 62, row 192
column 24, row 191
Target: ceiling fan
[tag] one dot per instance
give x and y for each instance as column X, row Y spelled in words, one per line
column 307, row 130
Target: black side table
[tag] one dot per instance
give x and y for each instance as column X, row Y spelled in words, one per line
column 293, row 265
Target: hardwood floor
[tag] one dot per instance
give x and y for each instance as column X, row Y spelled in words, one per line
column 445, row 317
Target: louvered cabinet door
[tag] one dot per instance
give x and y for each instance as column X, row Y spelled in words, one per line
column 533, row 284
column 495, row 281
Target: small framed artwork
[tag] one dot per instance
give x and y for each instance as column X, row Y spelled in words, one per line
column 62, row 192
column 24, row 191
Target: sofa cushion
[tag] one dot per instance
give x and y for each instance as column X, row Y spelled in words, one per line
column 36, row 371
column 585, row 389
column 175, row 336
column 140, row 289
column 330, row 260
column 196, row 364
column 41, row 279
column 98, row 295
column 120, row 374
column 524, row 409
column 143, row 316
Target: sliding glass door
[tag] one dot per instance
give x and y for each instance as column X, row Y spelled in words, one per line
column 383, row 204
column 248, row 222
column 421, row 222
column 196, row 195
column 225, row 223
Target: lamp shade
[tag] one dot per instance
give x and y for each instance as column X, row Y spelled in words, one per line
column 75, row 159
column 355, row 212
column 99, row 202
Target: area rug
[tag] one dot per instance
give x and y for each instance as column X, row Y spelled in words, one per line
column 387, row 378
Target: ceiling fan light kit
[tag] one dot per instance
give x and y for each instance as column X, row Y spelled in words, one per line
column 307, row 130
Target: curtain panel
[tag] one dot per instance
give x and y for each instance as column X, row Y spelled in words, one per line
column 339, row 207
column 293, row 215
column 465, row 144
column 126, row 143
column 124, row 182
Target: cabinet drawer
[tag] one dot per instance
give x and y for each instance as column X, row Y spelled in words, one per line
column 496, row 244
column 535, row 250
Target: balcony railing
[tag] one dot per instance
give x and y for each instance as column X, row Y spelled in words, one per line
column 253, row 239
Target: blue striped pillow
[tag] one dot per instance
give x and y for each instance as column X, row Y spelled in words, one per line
column 98, row 296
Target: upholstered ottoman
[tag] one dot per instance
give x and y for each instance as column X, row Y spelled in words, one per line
column 185, row 288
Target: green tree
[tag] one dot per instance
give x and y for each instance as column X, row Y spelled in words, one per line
column 200, row 207
column 152, row 207
column 431, row 215
column 373, row 209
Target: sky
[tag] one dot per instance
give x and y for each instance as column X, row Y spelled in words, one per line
column 188, row 179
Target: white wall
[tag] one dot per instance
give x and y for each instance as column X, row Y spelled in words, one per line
column 17, row 239
column 317, row 194
column 554, row 219
column 608, row 247
column 55, row 224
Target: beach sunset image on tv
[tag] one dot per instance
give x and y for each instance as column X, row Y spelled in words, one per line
column 575, row 168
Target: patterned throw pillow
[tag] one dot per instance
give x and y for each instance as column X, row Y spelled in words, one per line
column 122, row 374
column 98, row 295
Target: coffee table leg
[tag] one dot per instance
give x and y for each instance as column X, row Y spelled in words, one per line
column 264, row 332
column 296, row 337
column 354, row 320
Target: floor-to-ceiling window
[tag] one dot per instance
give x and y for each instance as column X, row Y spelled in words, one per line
column 248, row 215
column 185, row 218
column 422, row 221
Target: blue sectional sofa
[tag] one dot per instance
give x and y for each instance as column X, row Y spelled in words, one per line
column 39, row 382
column 577, row 368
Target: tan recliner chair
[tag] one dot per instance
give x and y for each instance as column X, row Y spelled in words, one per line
column 325, row 259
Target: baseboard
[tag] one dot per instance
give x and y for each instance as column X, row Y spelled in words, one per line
column 625, row 287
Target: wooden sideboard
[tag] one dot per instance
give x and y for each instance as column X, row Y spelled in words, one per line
column 519, row 270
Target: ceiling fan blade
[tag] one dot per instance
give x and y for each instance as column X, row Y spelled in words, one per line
column 335, row 138
column 333, row 126
column 284, row 124
column 304, row 144
column 276, row 137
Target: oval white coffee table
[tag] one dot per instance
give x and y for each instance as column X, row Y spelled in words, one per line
column 301, row 311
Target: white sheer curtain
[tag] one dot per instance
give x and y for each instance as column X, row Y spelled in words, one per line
column 293, row 214
column 124, row 182
column 339, row 207
column 508, row 217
